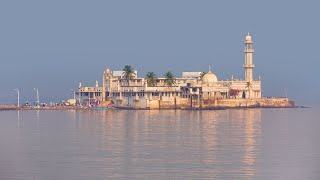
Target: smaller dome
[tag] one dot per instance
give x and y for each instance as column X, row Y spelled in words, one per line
column 209, row 78
column 248, row 38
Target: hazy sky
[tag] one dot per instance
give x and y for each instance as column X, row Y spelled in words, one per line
column 53, row 45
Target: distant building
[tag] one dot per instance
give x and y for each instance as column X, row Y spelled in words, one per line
column 120, row 74
column 193, row 88
column 191, row 74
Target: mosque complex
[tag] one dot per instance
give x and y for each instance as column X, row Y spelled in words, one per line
column 192, row 90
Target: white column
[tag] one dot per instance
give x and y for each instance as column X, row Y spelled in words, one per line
column 248, row 60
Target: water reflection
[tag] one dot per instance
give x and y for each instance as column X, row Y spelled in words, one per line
column 18, row 125
column 204, row 141
column 145, row 144
column 72, row 114
column 166, row 144
column 252, row 137
column 18, row 119
column 38, row 118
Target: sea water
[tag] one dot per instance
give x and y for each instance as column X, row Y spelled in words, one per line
column 160, row 144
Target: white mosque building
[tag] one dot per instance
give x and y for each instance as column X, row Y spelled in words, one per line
column 190, row 90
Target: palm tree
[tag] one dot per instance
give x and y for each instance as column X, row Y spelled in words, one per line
column 202, row 74
column 128, row 73
column 151, row 79
column 248, row 85
column 170, row 79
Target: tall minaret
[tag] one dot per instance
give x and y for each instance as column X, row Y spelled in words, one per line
column 248, row 59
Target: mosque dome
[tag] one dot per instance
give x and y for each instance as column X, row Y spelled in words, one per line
column 209, row 77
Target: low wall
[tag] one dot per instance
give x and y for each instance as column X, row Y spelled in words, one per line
column 153, row 104
column 174, row 103
column 182, row 103
column 276, row 102
column 7, row 107
column 264, row 102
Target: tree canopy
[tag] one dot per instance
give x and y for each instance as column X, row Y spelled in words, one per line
column 128, row 72
column 151, row 79
column 170, row 79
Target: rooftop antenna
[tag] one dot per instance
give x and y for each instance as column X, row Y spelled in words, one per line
column 38, row 101
column 18, row 92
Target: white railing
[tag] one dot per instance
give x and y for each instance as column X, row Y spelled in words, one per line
column 162, row 89
column 91, row 89
column 132, row 89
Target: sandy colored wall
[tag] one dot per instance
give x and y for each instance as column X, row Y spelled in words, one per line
column 264, row 102
column 182, row 103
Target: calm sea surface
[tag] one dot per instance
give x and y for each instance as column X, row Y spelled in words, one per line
column 166, row 144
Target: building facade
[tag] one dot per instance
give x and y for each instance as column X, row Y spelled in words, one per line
column 192, row 88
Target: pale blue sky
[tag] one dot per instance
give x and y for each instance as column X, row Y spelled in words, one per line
column 53, row 45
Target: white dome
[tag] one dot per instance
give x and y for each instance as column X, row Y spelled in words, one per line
column 209, row 78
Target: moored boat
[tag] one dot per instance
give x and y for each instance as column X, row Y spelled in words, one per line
column 101, row 108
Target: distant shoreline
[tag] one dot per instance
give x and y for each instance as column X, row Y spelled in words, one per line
column 28, row 108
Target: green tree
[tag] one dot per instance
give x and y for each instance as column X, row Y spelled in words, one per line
column 202, row 74
column 248, row 86
column 128, row 73
column 151, row 79
column 170, row 79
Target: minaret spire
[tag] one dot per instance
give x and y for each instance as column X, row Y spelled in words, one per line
column 248, row 59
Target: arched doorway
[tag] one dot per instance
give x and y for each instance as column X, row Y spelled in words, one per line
column 243, row 95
